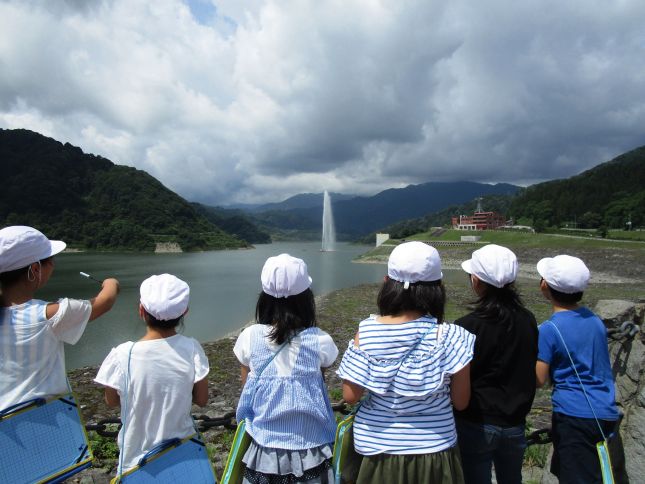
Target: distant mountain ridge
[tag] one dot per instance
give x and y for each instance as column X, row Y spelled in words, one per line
column 90, row 202
column 357, row 216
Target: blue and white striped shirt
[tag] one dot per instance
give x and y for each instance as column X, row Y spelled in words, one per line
column 406, row 369
column 32, row 358
column 287, row 411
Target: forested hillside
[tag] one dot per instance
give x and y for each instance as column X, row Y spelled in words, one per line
column 90, row 202
column 234, row 222
column 608, row 194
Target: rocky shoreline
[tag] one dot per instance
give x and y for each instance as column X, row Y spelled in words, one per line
column 338, row 314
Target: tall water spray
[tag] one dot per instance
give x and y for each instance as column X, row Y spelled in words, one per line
column 328, row 230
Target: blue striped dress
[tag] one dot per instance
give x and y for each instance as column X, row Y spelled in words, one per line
column 406, row 369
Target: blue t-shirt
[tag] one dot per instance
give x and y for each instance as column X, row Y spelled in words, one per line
column 586, row 338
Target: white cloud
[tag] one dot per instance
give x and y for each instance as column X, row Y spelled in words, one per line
column 259, row 100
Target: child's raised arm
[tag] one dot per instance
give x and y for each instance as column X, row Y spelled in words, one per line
column 105, row 299
column 460, row 388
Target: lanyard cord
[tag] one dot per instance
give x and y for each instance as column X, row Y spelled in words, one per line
column 124, row 411
column 579, row 380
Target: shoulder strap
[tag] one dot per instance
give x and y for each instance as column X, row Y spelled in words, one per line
column 124, row 411
column 579, row 379
column 268, row 362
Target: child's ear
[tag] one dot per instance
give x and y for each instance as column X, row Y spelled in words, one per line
column 142, row 312
column 545, row 290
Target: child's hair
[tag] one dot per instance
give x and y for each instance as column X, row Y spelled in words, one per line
column 162, row 324
column 9, row 278
column 498, row 302
column 287, row 315
column 564, row 298
column 427, row 297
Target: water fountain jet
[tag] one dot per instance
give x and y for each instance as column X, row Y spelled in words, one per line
column 328, row 230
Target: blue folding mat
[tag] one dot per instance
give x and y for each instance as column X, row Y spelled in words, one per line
column 173, row 461
column 42, row 441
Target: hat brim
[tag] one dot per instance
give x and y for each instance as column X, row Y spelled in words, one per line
column 56, row 247
column 467, row 266
column 542, row 266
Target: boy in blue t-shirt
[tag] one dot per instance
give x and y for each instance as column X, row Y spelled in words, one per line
column 575, row 430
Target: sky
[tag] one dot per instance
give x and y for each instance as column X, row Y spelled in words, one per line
column 254, row 101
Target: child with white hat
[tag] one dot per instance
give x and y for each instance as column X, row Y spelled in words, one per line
column 491, row 428
column 574, row 356
column 159, row 377
column 415, row 369
column 32, row 332
column 284, row 399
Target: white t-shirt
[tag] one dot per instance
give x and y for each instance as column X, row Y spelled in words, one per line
column 159, row 390
column 32, row 357
column 286, row 359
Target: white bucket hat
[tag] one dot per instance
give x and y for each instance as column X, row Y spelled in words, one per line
column 493, row 264
column 412, row 262
column 21, row 245
column 564, row 273
column 164, row 297
column 284, row 276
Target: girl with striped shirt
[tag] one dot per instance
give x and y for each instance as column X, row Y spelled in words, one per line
column 284, row 400
column 415, row 369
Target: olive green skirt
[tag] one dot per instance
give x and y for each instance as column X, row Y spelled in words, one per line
column 440, row 467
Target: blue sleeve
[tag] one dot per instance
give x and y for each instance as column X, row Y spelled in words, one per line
column 546, row 343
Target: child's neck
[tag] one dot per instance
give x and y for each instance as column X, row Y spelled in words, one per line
column 158, row 333
column 17, row 294
column 558, row 307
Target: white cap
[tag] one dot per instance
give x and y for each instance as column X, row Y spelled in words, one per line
column 413, row 262
column 165, row 296
column 493, row 264
column 21, row 246
column 564, row 273
column 284, row 276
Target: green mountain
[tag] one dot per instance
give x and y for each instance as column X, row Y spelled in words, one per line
column 608, row 194
column 90, row 202
column 234, row 222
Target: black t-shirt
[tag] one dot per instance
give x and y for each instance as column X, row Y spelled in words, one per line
column 502, row 371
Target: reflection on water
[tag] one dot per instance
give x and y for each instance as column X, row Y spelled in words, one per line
column 224, row 288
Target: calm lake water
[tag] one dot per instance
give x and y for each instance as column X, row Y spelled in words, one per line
column 224, row 288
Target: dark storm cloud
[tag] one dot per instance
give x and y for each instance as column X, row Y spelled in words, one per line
column 264, row 99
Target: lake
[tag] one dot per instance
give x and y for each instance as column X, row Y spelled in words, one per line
column 224, row 288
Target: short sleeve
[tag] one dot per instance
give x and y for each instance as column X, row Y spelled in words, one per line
column 201, row 363
column 70, row 320
column 110, row 373
column 242, row 348
column 459, row 346
column 328, row 349
column 546, row 340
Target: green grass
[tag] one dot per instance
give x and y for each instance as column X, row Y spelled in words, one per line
column 103, row 448
column 628, row 235
column 528, row 239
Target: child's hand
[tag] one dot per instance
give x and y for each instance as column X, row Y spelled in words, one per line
column 111, row 282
